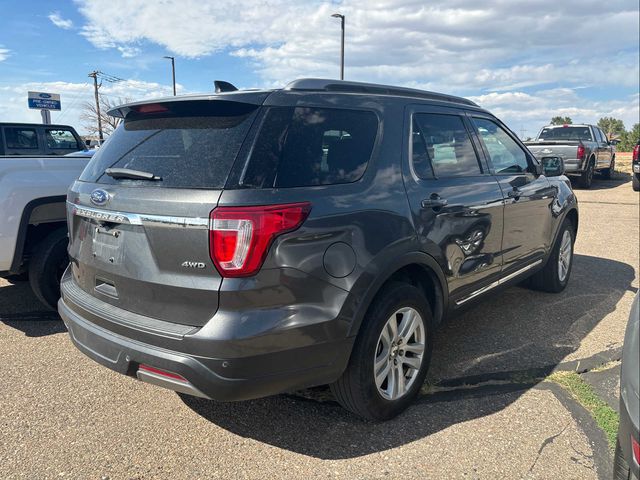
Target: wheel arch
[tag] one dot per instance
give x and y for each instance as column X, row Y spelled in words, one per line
column 22, row 234
column 416, row 268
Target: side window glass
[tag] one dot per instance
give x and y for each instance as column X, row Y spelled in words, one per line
column 61, row 140
column 506, row 155
column 419, row 156
column 307, row 146
column 448, row 146
column 21, row 138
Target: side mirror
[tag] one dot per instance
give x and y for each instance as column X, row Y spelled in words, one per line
column 552, row 166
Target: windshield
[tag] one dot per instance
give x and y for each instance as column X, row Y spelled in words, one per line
column 193, row 149
column 566, row 133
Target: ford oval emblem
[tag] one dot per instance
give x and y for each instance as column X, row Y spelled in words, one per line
column 99, row 197
column 45, row 95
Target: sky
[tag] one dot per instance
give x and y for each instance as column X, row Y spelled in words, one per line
column 525, row 61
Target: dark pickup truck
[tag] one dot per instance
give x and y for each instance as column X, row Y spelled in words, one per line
column 34, row 139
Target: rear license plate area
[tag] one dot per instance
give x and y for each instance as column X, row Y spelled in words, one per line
column 106, row 244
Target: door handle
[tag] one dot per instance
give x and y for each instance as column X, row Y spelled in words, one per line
column 434, row 201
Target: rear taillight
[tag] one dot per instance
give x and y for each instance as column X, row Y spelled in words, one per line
column 240, row 237
column 635, row 446
column 580, row 153
column 636, row 153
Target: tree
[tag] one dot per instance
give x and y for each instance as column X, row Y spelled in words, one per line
column 612, row 127
column 629, row 139
column 89, row 115
column 561, row 121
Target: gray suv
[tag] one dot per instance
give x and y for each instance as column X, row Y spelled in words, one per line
column 247, row 243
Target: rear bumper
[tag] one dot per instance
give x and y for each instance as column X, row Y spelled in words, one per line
column 281, row 365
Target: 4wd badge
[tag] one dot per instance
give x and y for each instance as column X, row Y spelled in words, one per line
column 188, row 264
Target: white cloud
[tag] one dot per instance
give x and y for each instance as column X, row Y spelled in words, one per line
column 4, row 53
column 60, row 22
column 13, row 98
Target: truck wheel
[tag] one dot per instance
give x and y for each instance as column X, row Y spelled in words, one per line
column 554, row 276
column 391, row 355
column 635, row 181
column 607, row 173
column 46, row 267
column 587, row 176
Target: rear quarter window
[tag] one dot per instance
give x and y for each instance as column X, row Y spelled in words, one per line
column 187, row 150
column 307, row 146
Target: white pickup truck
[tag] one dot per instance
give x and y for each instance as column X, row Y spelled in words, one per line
column 33, row 225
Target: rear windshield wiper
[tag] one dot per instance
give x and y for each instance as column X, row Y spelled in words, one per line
column 132, row 174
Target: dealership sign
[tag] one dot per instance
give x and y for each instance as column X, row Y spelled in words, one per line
column 44, row 101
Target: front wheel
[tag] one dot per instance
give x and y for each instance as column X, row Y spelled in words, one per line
column 554, row 276
column 391, row 355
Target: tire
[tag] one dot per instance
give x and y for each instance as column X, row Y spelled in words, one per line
column 586, row 178
column 46, row 267
column 357, row 390
column 621, row 470
column 607, row 173
column 553, row 278
column 635, row 182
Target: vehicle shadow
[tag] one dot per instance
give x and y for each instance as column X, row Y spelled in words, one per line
column 20, row 309
column 600, row 183
column 516, row 330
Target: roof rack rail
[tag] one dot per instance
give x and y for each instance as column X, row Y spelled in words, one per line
column 373, row 88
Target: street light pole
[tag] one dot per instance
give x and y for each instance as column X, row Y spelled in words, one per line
column 173, row 72
column 341, row 17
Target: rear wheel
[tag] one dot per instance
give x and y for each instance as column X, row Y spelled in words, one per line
column 47, row 266
column 391, row 355
column 554, row 276
column 635, row 182
column 607, row 173
column 586, row 178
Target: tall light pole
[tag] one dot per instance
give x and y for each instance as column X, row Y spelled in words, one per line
column 173, row 72
column 341, row 17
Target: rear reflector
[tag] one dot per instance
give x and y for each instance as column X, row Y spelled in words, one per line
column 635, row 446
column 240, row 237
column 162, row 373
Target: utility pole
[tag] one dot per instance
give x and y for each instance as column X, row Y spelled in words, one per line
column 173, row 71
column 94, row 75
column 341, row 17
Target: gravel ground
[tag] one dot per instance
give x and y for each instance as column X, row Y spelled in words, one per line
column 63, row 416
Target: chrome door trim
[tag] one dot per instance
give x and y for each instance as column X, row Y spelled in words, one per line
column 498, row 282
column 112, row 216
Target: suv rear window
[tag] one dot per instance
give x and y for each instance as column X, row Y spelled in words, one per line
column 194, row 148
column 306, row 146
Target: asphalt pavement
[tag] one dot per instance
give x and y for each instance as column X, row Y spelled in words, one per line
column 485, row 411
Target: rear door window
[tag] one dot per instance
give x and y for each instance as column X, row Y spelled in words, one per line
column 20, row 138
column 61, row 139
column 193, row 149
column 306, row 146
column 441, row 146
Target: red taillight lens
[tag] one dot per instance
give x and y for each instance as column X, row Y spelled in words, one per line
column 240, row 237
column 635, row 446
column 580, row 153
column 636, row 153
